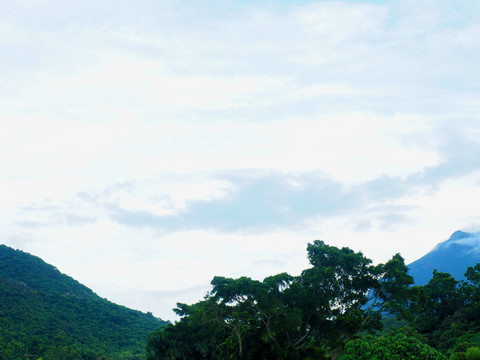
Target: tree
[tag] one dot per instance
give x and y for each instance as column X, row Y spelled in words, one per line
column 473, row 353
column 262, row 317
column 346, row 294
column 437, row 309
column 196, row 336
column 446, row 312
column 396, row 347
column 285, row 317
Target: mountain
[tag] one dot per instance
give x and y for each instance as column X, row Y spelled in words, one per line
column 44, row 313
column 452, row 256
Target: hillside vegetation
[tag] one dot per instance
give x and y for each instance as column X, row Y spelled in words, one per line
column 44, row 313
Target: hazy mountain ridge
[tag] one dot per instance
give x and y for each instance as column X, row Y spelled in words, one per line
column 46, row 313
column 452, row 256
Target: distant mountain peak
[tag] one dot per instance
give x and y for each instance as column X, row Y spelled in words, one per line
column 457, row 235
column 469, row 241
column 452, row 256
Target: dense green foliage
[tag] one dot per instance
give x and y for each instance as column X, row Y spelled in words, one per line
column 44, row 313
column 392, row 347
column 447, row 312
column 310, row 316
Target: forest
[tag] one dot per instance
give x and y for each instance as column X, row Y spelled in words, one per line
column 342, row 307
column 48, row 315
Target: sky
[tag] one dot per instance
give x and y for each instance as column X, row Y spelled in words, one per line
column 147, row 146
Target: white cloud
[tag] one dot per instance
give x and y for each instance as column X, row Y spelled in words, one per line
column 161, row 108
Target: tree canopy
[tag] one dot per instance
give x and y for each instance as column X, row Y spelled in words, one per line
column 447, row 312
column 310, row 316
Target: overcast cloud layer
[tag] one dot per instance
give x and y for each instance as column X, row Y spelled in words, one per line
column 147, row 146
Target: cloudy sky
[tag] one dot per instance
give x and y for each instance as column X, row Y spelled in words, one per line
column 147, row 146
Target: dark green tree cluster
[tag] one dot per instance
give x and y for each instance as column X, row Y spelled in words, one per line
column 443, row 322
column 310, row 316
column 46, row 314
column 396, row 346
column 447, row 313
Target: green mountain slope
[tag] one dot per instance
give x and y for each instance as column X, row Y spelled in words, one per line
column 44, row 313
